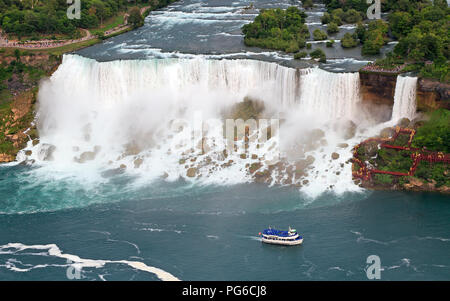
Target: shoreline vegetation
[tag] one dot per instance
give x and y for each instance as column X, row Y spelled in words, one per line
column 99, row 20
column 22, row 67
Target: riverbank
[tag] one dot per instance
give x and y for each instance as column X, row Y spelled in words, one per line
column 24, row 66
column 90, row 37
column 21, row 75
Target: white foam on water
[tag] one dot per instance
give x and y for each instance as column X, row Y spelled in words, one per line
column 76, row 262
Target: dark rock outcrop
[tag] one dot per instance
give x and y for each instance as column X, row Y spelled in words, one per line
column 432, row 95
column 378, row 88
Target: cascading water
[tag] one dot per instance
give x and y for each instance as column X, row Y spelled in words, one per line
column 335, row 95
column 405, row 98
column 103, row 116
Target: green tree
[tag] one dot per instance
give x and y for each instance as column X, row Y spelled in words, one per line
column 319, row 54
column 135, row 19
column 319, row 35
column 332, row 28
column 349, row 41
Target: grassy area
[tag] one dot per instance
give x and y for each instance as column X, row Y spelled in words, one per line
column 435, row 133
column 434, row 171
column 110, row 24
column 6, row 147
column 393, row 160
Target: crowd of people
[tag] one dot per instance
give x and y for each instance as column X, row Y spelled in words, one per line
column 376, row 68
column 5, row 42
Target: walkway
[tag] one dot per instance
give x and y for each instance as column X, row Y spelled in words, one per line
column 48, row 44
column 417, row 156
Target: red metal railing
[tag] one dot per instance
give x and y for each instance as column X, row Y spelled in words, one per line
column 418, row 155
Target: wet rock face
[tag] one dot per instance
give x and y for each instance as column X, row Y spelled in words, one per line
column 335, row 156
column 346, row 128
column 85, row 156
column 377, row 88
column 387, row 132
column 88, row 156
column 138, row 162
column 45, row 152
column 6, row 158
column 404, row 122
column 432, row 95
column 371, row 148
column 191, row 172
column 248, row 109
column 442, row 89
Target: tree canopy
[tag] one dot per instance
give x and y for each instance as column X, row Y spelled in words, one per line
column 277, row 29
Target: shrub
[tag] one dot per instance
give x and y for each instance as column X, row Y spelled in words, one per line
column 349, row 41
column 435, row 133
column 319, row 54
column 293, row 47
column 383, row 179
column 308, row 4
column 332, row 28
column 300, row 55
column 352, row 16
column 319, row 35
column 326, row 18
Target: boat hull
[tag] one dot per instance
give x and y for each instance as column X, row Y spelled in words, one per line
column 283, row 243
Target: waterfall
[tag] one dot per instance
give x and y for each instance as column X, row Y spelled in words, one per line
column 102, row 115
column 405, row 98
column 335, row 95
column 332, row 94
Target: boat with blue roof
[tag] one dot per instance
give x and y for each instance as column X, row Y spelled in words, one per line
column 277, row 237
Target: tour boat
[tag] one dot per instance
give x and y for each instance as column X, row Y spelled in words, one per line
column 277, row 237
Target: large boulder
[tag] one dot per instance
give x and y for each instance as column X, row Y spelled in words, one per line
column 45, row 152
column 404, row 122
column 247, row 109
column 88, row 156
column 346, row 128
column 191, row 172
column 138, row 162
column 387, row 132
column 371, row 148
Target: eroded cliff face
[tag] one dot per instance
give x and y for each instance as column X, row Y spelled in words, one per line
column 378, row 88
column 17, row 109
column 432, row 95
